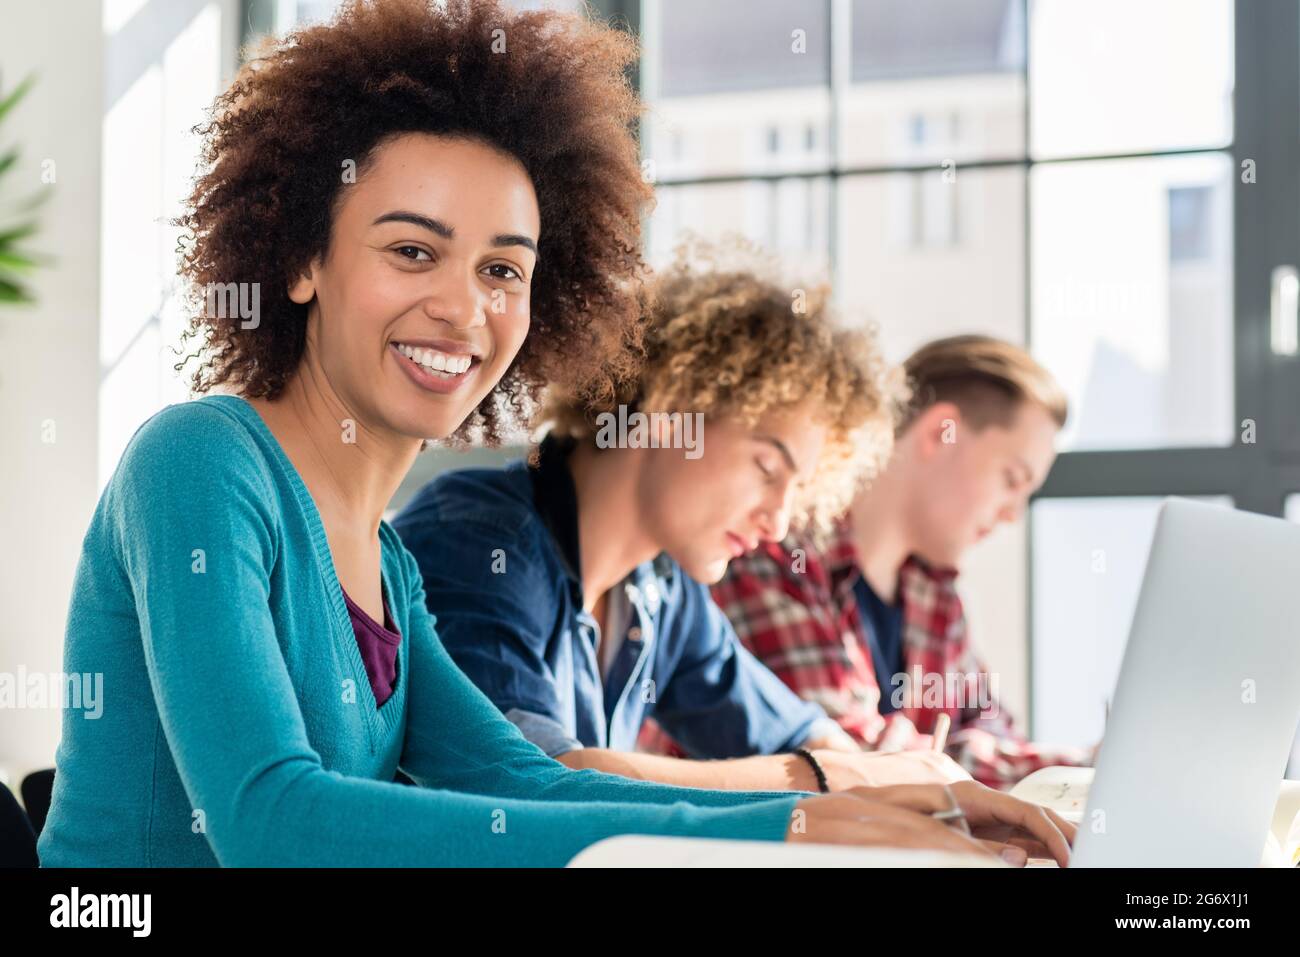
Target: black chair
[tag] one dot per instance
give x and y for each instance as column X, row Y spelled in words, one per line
column 17, row 839
column 36, row 789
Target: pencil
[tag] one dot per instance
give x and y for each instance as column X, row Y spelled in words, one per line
column 940, row 737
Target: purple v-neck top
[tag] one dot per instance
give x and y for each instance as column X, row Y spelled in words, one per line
column 378, row 645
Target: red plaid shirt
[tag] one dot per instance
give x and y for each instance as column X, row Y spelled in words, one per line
column 794, row 607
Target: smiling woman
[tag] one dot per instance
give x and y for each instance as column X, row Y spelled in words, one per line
column 469, row 137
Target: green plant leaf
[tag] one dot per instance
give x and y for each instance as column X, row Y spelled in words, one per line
column 13, row 260
column 15, row 233
column 10, row 101
column 12, row 292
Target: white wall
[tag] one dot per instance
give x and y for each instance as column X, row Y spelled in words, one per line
column 49, row 367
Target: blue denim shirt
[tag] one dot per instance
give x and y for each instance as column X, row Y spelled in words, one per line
column 498, row 549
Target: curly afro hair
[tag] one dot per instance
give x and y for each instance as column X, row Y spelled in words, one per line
column 549, row 89
column 726, row 334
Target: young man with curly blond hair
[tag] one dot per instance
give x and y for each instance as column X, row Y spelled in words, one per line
column 577, row 599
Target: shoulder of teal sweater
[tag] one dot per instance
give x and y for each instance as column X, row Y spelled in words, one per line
column 201, row 427
column 198, row 455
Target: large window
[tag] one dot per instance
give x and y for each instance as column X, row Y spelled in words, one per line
column 1113, row 184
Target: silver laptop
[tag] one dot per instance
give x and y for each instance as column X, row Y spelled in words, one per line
column 1208, row 697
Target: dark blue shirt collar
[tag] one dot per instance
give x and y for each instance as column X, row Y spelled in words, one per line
column 556, row 499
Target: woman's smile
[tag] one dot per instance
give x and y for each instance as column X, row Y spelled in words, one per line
column 433, row 369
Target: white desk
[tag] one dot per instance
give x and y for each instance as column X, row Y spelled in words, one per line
column 640, row 851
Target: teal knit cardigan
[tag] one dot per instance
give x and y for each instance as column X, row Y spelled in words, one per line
column 237, row 725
